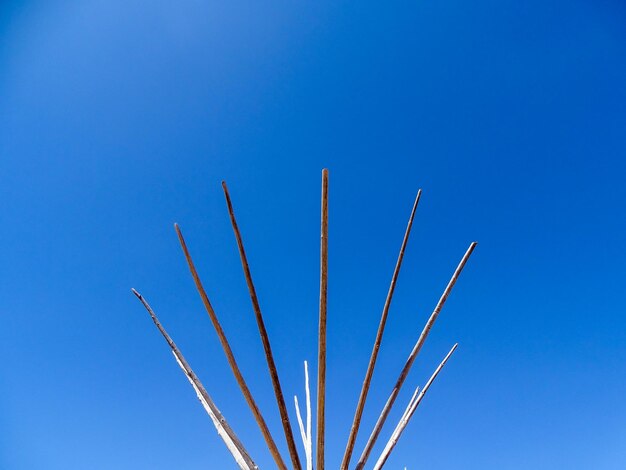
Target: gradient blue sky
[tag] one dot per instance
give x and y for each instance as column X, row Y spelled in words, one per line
column 119, row 118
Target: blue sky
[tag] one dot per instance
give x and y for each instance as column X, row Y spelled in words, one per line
column 119, row 118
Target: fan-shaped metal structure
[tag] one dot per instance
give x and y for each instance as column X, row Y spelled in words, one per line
column 233, row 443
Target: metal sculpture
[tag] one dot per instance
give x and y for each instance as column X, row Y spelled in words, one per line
column 234, row 445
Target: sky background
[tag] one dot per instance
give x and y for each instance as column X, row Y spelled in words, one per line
column 118, row 119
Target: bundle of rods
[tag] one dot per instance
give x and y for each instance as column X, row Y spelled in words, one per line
column 233, row 443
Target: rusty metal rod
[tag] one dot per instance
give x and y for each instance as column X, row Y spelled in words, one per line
column 321, row 348
column 379, row 337
column 278, row 392
column 231, row 357
column 409, row 362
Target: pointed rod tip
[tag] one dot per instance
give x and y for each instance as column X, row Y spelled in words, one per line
column 418, row 196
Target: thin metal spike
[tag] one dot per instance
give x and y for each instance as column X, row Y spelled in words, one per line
column 354, row 430
column 409, row 362
column 321, row 350
column 231, row 357
column 234, row 445
column 406, row 417
column 278, row 392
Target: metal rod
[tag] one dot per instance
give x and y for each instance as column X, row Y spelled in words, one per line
column 406, row 417
column 306, row 433
column 235, row 447
column 278, row 392
column 409, row 362
column 379, row 337
column 321, row 351
column 230, row 356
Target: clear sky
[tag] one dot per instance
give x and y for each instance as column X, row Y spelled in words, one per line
column 119, row 118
